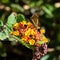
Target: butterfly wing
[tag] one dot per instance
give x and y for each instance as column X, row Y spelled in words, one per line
column 34, row 19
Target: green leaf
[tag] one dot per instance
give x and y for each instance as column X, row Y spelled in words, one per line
column 20, row 17
column 4, row 34
column 14, row 38
column 32, row 4
column 5, row 1
column 40, row 42
column 1, row 23
column 47, row 11
column 11, row 20
column 45, row 57
column 50, row 7
column 11, row 38
column 58, row 36
column 1, row 45
column 22, row 42
column 17, row 8
column 4, row 54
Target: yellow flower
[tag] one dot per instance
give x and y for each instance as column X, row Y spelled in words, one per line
column 32, row 32
column 31, row 42
column 29, row 24
column 11, row 33
column 16, row 25
column 24, row 39
column 42, row 30
column 16, row 33
column 24, row 22
column 27, row 33
column 45, row 39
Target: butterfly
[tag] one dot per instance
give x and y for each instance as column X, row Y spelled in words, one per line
column 34, row 19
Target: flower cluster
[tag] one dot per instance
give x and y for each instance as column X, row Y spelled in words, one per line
column 28, row 33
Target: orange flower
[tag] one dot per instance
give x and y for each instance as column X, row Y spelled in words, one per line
column 21, row 24
column 29, row 34
column 37, row 44
column 26, row 38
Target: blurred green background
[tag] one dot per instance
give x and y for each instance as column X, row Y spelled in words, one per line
column 49, row 17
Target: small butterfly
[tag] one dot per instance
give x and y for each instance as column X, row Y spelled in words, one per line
column 34, row 19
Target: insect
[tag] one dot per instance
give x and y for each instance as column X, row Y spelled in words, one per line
column 34, row 19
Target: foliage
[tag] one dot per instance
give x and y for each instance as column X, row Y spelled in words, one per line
column 49, row 18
